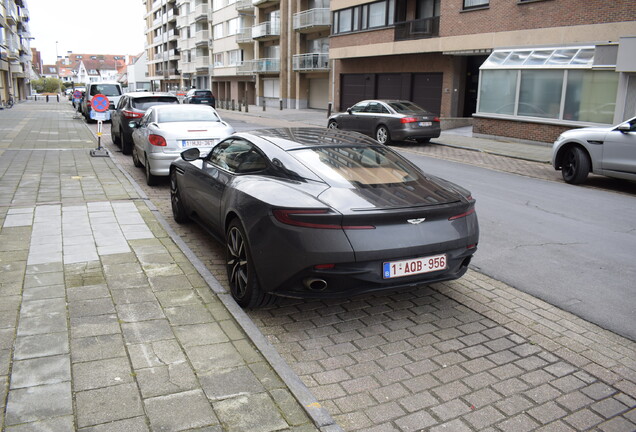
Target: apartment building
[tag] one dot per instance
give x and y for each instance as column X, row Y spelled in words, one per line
column 15, row 50
column 525, row 69
column 162, row 44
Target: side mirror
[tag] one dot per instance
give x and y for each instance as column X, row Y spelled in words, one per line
column 190, row 154
column 624, row 127
column 349, row 110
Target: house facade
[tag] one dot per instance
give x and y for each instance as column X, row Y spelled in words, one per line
column 15, row 50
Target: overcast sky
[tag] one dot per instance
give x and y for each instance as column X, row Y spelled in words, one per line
column 86, row 27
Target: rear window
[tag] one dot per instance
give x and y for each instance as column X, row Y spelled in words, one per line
column 203, row 93
column 106, row 90
column 146, row 102
column 186, row 115
column 403, row 107
column 357, row 166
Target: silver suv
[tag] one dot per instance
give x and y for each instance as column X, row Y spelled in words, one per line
column 112, row 90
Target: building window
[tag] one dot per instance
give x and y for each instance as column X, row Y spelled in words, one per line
column 548, row 83
column 232, row 26
column 363, row 17
column 218, row 31
column 235, row 57
column 472, row 4
column 218, row 60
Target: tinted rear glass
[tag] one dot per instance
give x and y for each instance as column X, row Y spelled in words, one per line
column 106, row 90
column 203, row 93
column 146, row 102
column 183, row 115
column 405, row 107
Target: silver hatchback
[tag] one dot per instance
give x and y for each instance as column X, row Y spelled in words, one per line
column 608, row 151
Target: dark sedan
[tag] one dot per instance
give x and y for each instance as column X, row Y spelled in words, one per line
column 197, row 96
column 132, row 107
column 388, row 121
column 314, row 212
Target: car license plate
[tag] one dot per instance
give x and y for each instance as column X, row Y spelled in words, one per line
column 198, row 143
column 424, row 124
column 395, row 269
column 204, row 101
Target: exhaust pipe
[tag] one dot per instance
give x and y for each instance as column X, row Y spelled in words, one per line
column 314, row 284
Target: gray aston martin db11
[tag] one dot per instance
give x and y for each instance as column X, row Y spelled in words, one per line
column 313, row 212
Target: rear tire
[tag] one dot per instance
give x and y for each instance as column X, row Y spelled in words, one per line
column 576, row 166
column 382, row 135
column 333, row 124
column 151, row 179
column 241, row 274
column 126, row 145
column 135, row 158
column 116, row 137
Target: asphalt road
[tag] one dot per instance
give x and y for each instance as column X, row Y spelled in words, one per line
column 573, row 247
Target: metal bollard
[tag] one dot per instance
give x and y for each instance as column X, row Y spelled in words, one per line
column 263, row 104
column 280, row 102
column 47, row 98
column 329, row 110
column 246, row 106
column 58, row 98
column 232, row 104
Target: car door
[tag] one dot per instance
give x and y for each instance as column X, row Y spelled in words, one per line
column 370, row 118
column 619, row 149
column 115, row 118
column 217, row 171
column 350, row 119
column 140, row 133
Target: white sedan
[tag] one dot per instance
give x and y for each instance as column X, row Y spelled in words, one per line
column 166, row 130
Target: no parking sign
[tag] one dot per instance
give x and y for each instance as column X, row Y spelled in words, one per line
column 100, row 104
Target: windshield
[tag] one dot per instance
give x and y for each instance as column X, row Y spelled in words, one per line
column 187, row 115
column 405, row 107
column 147, row 102
column 106, row 90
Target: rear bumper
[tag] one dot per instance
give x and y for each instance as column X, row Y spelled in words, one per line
column 415, row 133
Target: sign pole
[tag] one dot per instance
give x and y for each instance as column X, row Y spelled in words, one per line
column 100, row 104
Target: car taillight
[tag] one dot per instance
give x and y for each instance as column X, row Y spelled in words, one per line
column 461, row 215
column 408, row 120
column 321, row 219
column 132, row 114
column 157, row 140
column 436, row 119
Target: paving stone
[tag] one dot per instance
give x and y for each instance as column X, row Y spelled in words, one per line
column 58, row 424
column 451, row 409
column 519, row 423
column 91, row 307
column 107, row 404
column 41, row 324
column 147, row 331
column 415, row 422
column 583, row 419
column 609, row 408
column 167, row 379
column 40, row 371
column 547, row 413
column 598, row 391
column 94, row 326
column 255, row 412
column 38, row 403
column 97, row 348
column 208, row 358
column 454, row 425
column 514, row 404
column 155, row 354
column 101, row 373
column 482, row 418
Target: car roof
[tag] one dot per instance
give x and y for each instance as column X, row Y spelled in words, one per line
column 297, row 138
column 191, row 107
column 148, row 94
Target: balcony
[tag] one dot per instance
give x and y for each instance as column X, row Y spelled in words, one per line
column 173, row 34
column 201, row 37
column 202, row 62
column 174, row 54
column 264, row 3
column 418, row 29
column 266, row 65
column 267, row 30
column 312, row 20
column 201, row 12
column 311, row 62
column 244, row 35
column 245, row 68
column 244, row 5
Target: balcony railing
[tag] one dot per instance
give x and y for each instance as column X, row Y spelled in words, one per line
column 312, row 18
column 202, row 62
column 201, row 11
column 418, row 29
column 263, row 2
column 201, row 37
column 245, row 68
column 244, row 5
column 267, row 29
column 311, row 62
column 266, row 65
column 244, row 35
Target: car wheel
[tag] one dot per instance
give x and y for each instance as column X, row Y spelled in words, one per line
column 576, row 165
column 126, row 145
column 178, row 210
column 382, row 135
column 116, row 137
column 240, row 269
column 332, row 125
column 135, row 158
column 151, row 179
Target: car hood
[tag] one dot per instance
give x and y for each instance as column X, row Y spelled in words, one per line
column 587, row 133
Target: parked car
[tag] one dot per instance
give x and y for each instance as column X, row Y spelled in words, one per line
column 314, row 212
column 608, row 151
column 131, row 107
column 112, row 90
column 388, row 121
column 197, row 96
column 166, row 130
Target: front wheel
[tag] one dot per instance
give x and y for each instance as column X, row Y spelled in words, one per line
column 332, row 125
column 179, row 212
column 382, row 135
column 240, row 269
column 576, row 166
